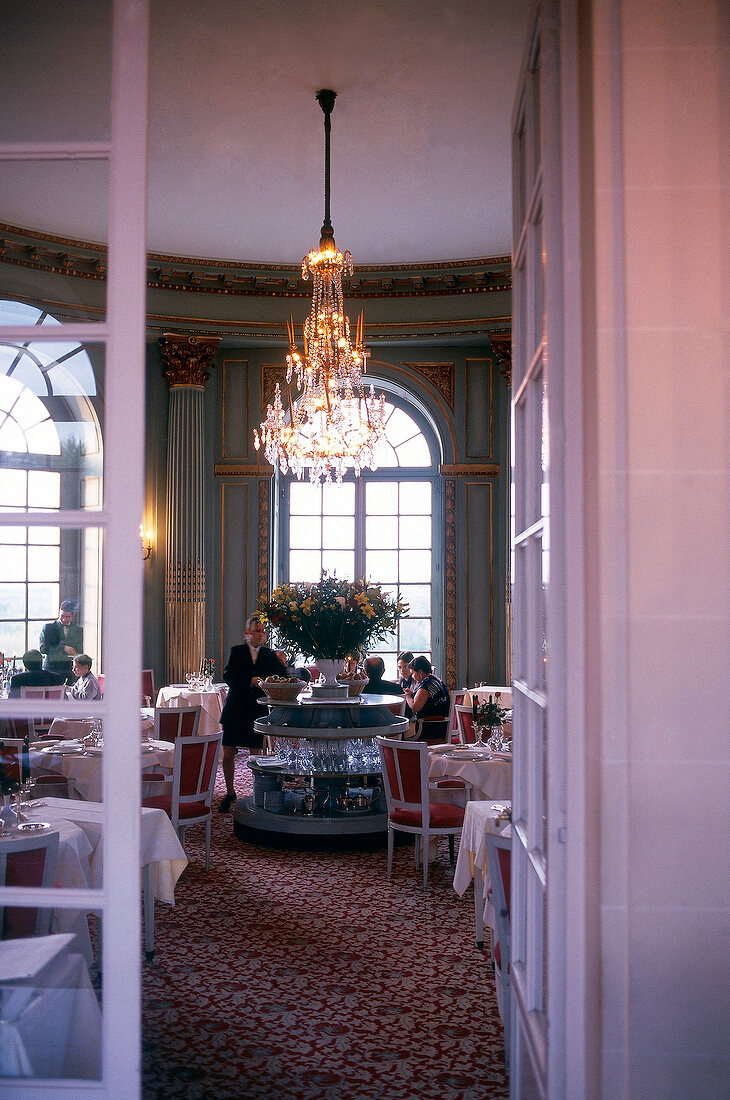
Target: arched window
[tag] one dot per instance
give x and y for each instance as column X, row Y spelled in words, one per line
column 379, row 525
column 50, row 456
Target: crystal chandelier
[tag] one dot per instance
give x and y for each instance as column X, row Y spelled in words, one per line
column 333, row 423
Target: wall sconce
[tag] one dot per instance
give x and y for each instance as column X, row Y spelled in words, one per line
column 146, row 539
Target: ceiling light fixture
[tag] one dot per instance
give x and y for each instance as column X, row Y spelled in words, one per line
column 333, row 423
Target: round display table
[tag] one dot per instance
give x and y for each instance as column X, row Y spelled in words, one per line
column 322, row 775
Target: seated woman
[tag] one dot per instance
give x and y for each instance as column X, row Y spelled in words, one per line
column 405, row 676
column 428, row 698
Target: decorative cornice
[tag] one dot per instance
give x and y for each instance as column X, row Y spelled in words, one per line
column 469, row 469
column 188, row 359
column 439, row 375
column 502, row 345
column 82, row 260
column 241, row 469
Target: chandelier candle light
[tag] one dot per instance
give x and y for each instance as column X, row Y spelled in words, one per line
column 333, row 423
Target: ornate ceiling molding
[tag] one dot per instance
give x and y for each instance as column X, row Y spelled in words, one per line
column 82, row 260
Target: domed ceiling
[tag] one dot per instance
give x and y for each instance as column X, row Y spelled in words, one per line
column 420, row 128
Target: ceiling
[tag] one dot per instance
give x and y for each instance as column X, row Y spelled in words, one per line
column 420, row 129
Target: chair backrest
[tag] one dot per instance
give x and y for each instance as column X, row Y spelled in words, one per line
column 405, row 772
column 148, row 687
column 499, row 863
column 27, row 861
column 465, row 724
column 51, row 691
column 193, row 775
column 11, row 757
column 398, row 707
column 17, row 728
column 456, row 698
column 174, row 722
column 432, row 729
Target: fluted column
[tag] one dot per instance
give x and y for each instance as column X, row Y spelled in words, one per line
column 187, row 361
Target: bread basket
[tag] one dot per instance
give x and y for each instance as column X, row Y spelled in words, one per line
column 284, row 691
column 354, row 687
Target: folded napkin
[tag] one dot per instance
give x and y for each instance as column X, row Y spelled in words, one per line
column 94, row 750
column 270, row 761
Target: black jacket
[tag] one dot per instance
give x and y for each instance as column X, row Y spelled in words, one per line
column 242, row 708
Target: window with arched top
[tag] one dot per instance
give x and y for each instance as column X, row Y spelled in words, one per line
column 379, row 525
column 51, row 459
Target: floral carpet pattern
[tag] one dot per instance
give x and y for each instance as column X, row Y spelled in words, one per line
column 305, row 975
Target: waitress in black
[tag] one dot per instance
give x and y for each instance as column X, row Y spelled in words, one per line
column 247, row 666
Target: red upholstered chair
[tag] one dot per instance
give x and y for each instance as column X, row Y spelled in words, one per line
column 457, row 698
column 174, row 722
column 190, row 801
column 53, row 785
column 148, row 687
column 432, row 729
column 27, row 861
column 397, row 707
column 410, row 809
column 499, row 861
column 51, row 691
column 465, row 724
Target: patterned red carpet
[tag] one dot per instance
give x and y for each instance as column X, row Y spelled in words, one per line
column 287, row 975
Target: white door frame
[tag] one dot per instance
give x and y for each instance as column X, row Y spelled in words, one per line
column 122, row 335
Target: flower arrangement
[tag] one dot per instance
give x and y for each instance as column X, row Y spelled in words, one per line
column 331, row 619
column 489, row 713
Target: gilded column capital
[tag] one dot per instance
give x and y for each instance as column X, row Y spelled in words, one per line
column 188, row 359
column 502, row 347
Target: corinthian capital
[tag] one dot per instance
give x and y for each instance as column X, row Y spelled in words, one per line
column 188, row 359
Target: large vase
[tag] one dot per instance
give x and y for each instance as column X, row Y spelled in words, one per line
column 329, row 671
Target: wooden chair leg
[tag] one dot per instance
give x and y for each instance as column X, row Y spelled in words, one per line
column 390, row 851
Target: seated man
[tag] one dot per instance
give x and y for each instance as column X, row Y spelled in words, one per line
column 376, row 685
column 86, row 686
column 35, row 675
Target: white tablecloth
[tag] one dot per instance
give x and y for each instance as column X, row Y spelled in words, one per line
column 80, row 859
column 488, row 778
column 84, row 769
column 50, row 1016
column 211, row 702
column 480, row 818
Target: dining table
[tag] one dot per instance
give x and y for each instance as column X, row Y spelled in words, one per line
column 82, row 765
column 50, row 1017
column 488, row 773
column 480, row 818
column 211, row 701
column 79, row 825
